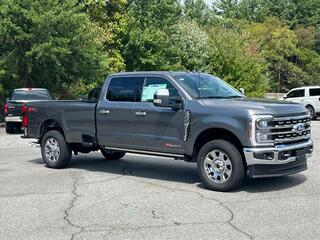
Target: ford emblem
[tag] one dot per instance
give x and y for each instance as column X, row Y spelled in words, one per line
column 298, row 127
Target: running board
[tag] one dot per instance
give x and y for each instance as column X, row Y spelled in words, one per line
column 161, row 154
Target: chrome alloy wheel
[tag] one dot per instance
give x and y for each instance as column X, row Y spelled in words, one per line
column 52, row 149
column 218, row 166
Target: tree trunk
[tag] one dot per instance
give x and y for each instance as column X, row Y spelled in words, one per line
column 25, row 76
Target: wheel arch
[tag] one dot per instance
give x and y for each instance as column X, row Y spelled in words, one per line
column 210, row 134
column 50, row 124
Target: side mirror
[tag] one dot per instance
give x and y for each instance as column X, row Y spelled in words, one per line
column 162, row 98
column 242, row 91
column 83, row 97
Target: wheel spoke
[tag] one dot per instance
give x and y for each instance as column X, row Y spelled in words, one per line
column 218, row 166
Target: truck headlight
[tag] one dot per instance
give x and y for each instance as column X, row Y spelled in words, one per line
column 260, row 129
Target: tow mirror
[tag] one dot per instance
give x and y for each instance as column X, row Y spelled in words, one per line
column 83, row 97
column 162, row 98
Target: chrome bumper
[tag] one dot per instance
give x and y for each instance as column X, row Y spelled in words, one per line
column 13, row 119
column 251, row 153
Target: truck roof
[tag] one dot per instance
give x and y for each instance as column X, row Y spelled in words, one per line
column 150, row 72
column 30, row 89
column 306, row 87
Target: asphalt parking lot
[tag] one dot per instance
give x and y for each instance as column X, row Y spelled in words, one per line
column 143, row 197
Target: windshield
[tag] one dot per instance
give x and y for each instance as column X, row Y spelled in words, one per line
column 200, row 85
column 30, row 95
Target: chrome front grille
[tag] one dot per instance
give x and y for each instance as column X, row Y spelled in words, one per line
column 290, row 129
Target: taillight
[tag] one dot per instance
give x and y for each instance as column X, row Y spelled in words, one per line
column 25, row 110
column 24, row 116
column 6, row 108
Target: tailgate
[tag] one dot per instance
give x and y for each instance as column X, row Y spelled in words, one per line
column 14, row 108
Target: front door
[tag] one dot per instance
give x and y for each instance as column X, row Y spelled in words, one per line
column 114, row 112
column 297, row 96
column 159, row 129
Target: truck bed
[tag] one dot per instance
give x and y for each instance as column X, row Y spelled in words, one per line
column 76, row 118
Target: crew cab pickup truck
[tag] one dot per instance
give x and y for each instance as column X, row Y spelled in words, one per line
column 13, row 106
column 191, row 116
column 307, row 96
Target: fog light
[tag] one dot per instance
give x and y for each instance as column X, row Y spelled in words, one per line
column 264, row 156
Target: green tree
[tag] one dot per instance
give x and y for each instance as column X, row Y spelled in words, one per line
column 49, row 44
column 147, row 43
column 191, row 47
column 236, row 59
column 279, row 45
column 198, row 11
column 111, row 18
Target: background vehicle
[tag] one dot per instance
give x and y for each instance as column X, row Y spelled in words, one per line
column 307, row 96
column 190, row 116
column 13, row 106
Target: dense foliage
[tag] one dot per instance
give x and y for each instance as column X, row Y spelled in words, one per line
column 70, row 46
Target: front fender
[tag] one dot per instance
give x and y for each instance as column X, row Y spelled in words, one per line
column 238, row 126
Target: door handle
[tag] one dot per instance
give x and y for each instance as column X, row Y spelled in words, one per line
column 104, row 111
column 140, row 113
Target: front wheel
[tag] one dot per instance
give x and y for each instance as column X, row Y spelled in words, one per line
column 220, row 166
column 312, row 112
column 111, row 154
column 56, row 152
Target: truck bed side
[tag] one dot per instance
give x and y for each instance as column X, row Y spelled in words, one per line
column 75, row 118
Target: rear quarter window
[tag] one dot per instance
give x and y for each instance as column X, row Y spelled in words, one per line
column 314, row 92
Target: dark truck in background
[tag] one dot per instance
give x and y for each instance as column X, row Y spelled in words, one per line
column 191, row 116
column 13, row 106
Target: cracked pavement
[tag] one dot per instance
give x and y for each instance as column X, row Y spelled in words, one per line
column 143, row 197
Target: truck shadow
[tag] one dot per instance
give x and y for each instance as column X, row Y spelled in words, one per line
column 170, row 170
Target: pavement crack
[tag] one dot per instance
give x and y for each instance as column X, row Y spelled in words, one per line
column 234, row 226
column 71, row 205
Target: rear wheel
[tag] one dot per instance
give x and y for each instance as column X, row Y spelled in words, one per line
column 56, row 152
column 220, row 166
column 312, row 112
column 111, row 154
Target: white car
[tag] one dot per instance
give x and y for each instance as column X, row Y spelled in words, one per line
column 307, row 96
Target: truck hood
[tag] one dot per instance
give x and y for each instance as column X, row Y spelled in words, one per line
column 263, row 106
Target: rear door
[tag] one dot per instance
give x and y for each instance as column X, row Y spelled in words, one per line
column 314, row 93
column 158, row 129
column 114, row 112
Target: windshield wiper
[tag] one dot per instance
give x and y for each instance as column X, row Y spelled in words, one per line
column 235, row 96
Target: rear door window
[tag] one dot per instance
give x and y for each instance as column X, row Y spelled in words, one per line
column 124, row 89
column 296, row 93
column 314, row 92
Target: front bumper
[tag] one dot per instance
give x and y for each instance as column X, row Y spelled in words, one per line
column 280, row 160
column 15, row 119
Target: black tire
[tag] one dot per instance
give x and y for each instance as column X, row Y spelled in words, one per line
column 65, row 152
column 312, row 112
column 235, row 163
column 112, row 155
column 10, row 128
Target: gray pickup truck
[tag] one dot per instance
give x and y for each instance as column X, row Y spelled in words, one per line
column 190, row 116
